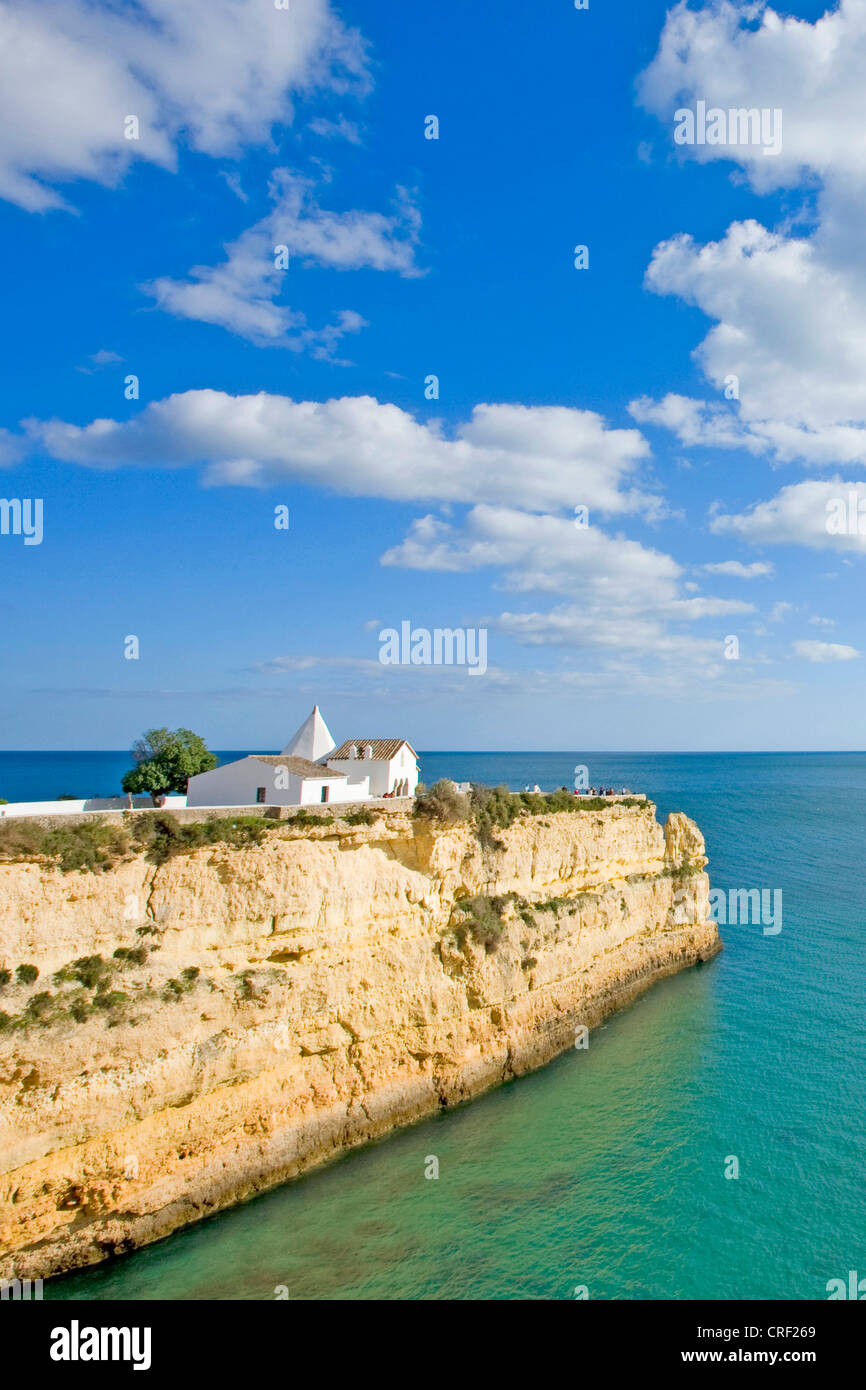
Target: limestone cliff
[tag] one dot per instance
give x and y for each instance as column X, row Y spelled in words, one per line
column 205, row 1028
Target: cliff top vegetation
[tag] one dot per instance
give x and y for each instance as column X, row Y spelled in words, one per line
column 492, row 808
column 96, row 845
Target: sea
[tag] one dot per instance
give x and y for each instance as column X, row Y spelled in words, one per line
column 710, row 1143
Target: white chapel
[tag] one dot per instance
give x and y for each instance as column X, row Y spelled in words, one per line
column 311, row 769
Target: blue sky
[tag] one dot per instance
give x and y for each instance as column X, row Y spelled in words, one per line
column 408, row 256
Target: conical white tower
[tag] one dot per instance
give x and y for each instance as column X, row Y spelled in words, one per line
column 312, row 741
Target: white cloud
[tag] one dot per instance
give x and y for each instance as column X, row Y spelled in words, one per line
column 825, row 651
column 624, row 605
column 693, row 422
column 291, row 664
column 709, row 607
column 12, row 448
column 821, row 514
column 735, row 569
column 341, row 129
column 103, row 358
column 537, row 457
column 789, row 312
column 216, row 76
column 541, row 553
column 713, row 426
column 241, row 293
column 790, row 326
column 627, row 640
column 747, row 55
column 549, row 554
column 232, row 178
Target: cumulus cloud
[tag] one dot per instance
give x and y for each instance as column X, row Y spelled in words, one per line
column 790, row 326
column 821, row 514
column 629, row 609
column 550, row 554
column 240, row 294
column 747, row 55
column 541, row 552
column 519, row 468
column 216, row 76
column 693, row 422
column 788, row 312
column 825, row 651
column 538, row 457
column 735, row 569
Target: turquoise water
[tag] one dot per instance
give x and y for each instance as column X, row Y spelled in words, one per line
column 606, row 1168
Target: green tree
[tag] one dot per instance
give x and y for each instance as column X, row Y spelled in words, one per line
column 165, row 759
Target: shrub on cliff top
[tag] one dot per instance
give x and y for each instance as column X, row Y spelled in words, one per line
column 496, row 808
column 91, row 845
column 161, row 836
column 20, row 839
column 96, row 846
column 443, row 803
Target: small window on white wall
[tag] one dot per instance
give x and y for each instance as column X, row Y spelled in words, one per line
column 260, row 795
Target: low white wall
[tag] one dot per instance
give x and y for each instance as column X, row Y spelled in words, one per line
column 91, row 803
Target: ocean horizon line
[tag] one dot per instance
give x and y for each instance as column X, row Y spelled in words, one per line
column 523, row 752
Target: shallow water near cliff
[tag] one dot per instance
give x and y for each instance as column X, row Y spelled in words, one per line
column 607, row 1167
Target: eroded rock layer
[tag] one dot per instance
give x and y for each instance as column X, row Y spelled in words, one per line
column 272, row 1006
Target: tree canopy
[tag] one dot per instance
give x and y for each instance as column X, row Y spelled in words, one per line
column 165, row 759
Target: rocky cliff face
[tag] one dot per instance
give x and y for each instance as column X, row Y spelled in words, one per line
column 214, row 1025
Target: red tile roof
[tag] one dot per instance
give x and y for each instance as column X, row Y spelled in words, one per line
column 383, row 748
